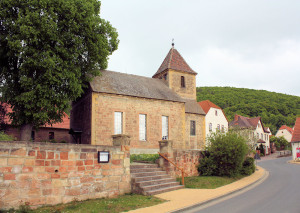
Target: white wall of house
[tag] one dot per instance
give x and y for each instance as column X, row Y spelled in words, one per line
column 295, row 145
column 285, row 133
column 215, row 119
column 260, row 134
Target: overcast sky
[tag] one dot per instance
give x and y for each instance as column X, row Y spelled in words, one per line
column 239, row 43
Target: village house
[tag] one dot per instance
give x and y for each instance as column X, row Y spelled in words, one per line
column 256, row 128
column 295, row 141
column 58, row 132
column 286, row 132
column 215, row 119
column 145, row 109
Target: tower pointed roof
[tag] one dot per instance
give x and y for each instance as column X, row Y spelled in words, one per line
column 174, row 61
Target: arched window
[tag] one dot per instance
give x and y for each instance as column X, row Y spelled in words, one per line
column 182, row 81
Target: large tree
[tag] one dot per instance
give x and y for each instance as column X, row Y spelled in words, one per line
column 50, row 49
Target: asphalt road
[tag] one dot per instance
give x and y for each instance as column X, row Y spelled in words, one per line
column 279, row 193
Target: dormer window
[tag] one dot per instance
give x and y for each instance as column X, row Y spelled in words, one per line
column 182, row 81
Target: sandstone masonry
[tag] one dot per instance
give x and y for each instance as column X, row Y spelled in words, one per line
column 45, row 173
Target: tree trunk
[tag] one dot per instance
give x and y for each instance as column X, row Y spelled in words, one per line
column 25, row 132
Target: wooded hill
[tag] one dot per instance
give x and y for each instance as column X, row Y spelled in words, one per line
column 275, row 109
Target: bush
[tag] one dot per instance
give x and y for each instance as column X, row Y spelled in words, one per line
column 280, row 142
column 151, row 158
column 5, row 137
column 224, row 156
column 248, row 166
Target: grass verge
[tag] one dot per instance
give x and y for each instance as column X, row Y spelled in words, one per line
column 208, row 182
column 112, row 205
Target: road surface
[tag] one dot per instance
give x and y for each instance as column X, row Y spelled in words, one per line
column 279, row 193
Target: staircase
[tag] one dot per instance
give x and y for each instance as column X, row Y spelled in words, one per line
column 149, row 179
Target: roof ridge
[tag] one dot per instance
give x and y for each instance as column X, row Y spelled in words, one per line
column 171, row 56
column 174, row 61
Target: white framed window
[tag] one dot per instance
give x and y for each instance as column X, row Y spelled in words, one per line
column 216, row 112
column 262, row 136
column 223, row 130
column 143, row 127
column 210, row 127
column 118, row 128
column 165, row 129
column 218, row 127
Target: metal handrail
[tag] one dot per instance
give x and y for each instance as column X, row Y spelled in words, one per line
column 181, row 169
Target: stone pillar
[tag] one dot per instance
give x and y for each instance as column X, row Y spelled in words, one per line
column 166, row 148
column 122, row 140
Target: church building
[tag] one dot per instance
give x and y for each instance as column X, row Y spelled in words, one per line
column 148, row 110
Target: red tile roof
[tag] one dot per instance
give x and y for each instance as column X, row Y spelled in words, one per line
column 65, row 124
column 287, row 128
column 296, row 133
column 207, row 104
column 176, row 62
column 261, row 141
column 245, row 122
column 267, row 129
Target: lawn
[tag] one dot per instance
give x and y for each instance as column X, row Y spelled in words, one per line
column 208, row 182
column 113, row 205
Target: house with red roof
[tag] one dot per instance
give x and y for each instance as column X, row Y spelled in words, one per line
column 258, row 132
column 145, row 109
column 286, row 132
column 295, row 141
column 215, row 119
column 58, row 132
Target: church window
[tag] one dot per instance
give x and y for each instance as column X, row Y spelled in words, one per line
column 182, row 81
column 193, row 128
column 165, row 129
column 143, row 127
column 165, row 76
column 118, row 123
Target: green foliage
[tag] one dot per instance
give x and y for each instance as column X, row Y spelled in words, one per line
column 280, row 142
column 208, row 182
column 49, row 49
column 224, row 155
column 122, row 203
column 248, row 166
column 151, row 158
column 5, row 137
column 275, row 109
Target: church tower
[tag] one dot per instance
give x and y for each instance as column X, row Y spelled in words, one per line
column 178, row 75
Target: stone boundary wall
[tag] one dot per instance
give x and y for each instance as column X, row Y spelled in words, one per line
column 46, row 173
column 189, row 160
column 186, row 159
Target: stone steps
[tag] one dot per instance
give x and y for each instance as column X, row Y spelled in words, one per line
column 149, row 179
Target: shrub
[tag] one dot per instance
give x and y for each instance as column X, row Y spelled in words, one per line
column 224, row 156
column 151, row 158
column 5, row 137
column 280, row 142
column 248, row 166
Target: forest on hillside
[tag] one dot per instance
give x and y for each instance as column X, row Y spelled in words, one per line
column 275, row 109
